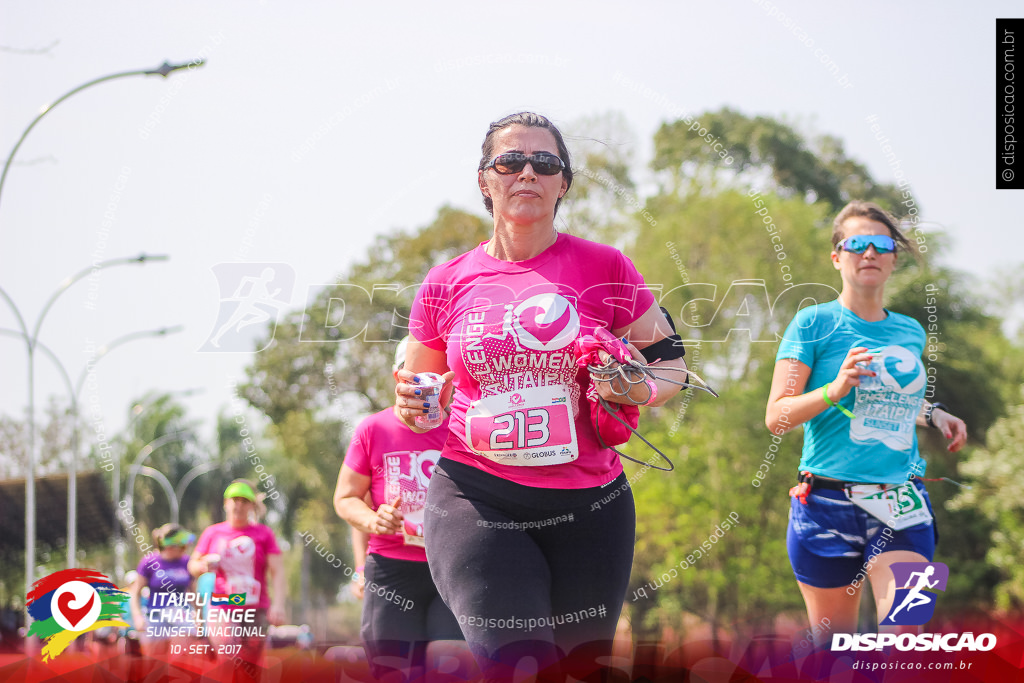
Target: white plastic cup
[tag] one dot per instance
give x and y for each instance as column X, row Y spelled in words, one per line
column 430, row 385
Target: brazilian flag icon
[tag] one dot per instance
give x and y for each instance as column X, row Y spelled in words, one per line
column 236, row 599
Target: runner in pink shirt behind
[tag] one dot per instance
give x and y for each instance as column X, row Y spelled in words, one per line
column 381, row 492
column 243, row 552
column 530, row 522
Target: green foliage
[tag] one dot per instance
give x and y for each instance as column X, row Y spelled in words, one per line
column 998, row 496
column 735, row 584
column 719, row 258
column 722, row 281
column 760, row 147
column 342, row 343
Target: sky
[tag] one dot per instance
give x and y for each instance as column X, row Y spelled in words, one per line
column 313, row 127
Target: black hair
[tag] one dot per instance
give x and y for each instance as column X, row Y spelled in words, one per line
column 526, row 118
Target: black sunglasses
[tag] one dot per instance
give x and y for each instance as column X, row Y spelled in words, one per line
column 543, row 163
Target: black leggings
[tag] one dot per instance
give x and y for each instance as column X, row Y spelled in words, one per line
column 402, row 611
column 529, row 572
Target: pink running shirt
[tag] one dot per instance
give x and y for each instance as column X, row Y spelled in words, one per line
column 397, row 460
column 243, row 561
column 507, row 329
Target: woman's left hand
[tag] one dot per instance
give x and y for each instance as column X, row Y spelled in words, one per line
column 952, row 428
column 614, row 390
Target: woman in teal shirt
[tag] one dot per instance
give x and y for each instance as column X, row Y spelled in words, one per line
column 850, row 371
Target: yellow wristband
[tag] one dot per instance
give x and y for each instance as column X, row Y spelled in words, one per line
column 828, row 401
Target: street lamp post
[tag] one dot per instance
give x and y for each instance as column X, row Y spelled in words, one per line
column 73, row 469
column 165, row 70
column 31, row 341
column 75, row 391
column 133, row 471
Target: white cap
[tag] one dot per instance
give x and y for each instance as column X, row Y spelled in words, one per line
column 400, row 354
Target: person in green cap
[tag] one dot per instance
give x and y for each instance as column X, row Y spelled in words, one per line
column 165, row 574
column 242, row 552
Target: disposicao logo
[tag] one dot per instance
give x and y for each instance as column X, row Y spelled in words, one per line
column 68, row 603
column 915, row 602
column 914, row 605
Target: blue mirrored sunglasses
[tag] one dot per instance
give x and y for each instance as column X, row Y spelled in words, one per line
column 858, row 244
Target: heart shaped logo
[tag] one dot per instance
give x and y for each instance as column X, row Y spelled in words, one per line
column 546, row 322
column 75, row 606
column 72, row 614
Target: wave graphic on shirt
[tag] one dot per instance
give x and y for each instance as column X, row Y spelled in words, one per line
column 887, row 413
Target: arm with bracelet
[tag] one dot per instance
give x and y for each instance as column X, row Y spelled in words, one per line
column 654, row 341
column 790, row 404
column 938, row 416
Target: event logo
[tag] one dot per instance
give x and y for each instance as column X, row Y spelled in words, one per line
column 914, row 603
column 68, row 603
column 250, row 295
column 545, row 322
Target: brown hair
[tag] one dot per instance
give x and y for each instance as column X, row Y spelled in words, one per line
column 873, row 212
column 526, row 118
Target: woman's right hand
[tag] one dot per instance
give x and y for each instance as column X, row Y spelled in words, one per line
column 388, row 518
column 850, row 373
column 408, row 399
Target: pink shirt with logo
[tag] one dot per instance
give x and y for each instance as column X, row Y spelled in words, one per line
column 398, row 461
column 243, row 561
column 508, row 328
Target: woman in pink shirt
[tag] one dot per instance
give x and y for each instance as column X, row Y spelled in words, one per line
column 242, row 552
column 391, row 465
column 530, row 522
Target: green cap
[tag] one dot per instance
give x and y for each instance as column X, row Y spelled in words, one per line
column 239, row 489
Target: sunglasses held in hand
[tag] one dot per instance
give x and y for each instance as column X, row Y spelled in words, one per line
column 543, row 163
column 858, row 244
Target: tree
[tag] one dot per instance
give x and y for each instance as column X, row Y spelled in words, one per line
column 758, row 149
column 998, row 495
column 54, row 437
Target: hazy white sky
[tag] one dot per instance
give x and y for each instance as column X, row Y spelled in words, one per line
column 315, row 126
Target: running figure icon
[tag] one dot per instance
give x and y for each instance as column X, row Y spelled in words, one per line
column 253, row 296
column 915, row 597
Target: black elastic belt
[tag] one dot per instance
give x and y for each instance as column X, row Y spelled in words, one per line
column 831, row 484
column 817, row 483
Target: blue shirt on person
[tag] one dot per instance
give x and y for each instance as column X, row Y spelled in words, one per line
column 878, row 445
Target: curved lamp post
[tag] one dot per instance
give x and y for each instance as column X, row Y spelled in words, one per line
column 165, row 70
column 31, row 342
column 75, row 391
